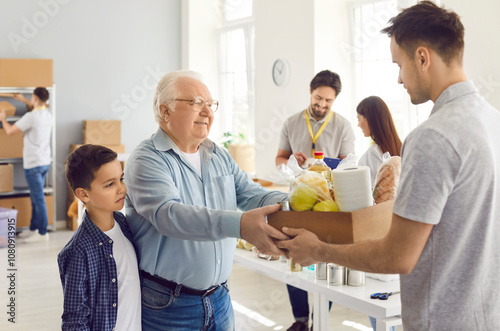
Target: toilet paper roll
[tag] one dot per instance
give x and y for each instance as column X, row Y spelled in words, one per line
column 352, row 187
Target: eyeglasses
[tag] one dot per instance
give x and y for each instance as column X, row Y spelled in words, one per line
column 198, row 103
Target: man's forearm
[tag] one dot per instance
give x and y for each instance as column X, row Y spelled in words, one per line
column 369, row 256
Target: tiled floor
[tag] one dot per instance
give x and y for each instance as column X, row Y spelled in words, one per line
column 260, row 303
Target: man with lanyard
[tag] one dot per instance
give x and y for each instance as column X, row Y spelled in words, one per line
column 317, row 127
column 37, row 126
column 321, row 129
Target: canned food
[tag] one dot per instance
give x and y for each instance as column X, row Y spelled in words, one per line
column 335, row 274
column 320, row 270
column 294, row 266
column 285, row 205
column 355, row 278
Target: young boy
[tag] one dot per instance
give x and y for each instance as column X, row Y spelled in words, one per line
column 98, row 266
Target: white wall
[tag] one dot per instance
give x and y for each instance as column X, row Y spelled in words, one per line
column 482, row 46
column 283, row 29
column 307, row 34
column 108, row 56
column 310, row 35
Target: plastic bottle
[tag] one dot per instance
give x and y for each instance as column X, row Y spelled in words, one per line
column 320, row 166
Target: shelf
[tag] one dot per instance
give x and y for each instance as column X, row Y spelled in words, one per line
column 11, row 160
column 24, row 191
column 21, row 89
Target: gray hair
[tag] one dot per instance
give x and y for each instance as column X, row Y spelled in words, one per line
column 167, row 91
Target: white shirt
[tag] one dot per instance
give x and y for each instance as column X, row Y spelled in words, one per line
column 37, row 127
column 129, row 288
column 373, row 159
column 194, row 160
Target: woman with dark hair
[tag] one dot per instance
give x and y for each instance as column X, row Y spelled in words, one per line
column 376, row 122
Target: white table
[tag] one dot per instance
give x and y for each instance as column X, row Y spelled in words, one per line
column 387, row 312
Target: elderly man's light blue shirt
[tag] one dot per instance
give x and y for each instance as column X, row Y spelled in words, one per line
column 185, row 226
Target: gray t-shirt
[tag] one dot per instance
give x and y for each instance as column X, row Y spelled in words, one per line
column 372, row 159
column 37, row 127
column 451, row 178
column 336, row 140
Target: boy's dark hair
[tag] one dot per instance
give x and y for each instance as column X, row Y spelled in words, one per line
column 327, row 78
column 82, row 164
column 41, row 93
column 426, row 24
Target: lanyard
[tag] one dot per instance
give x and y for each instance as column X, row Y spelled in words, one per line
column 39, row 108
column 320, row 131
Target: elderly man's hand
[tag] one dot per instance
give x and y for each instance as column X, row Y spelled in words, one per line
column 255, row 230
column 304, row 247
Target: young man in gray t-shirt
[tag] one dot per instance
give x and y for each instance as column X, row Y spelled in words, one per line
column 445, row 224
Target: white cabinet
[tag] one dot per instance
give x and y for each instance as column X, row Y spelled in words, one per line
column 19, row 197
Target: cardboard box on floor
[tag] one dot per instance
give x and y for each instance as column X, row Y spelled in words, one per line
column 6, row 177
column 101, row 132
column 11, row 146
column 23, row 205
column 339, row 227
column 10, row 110
column 26, row 72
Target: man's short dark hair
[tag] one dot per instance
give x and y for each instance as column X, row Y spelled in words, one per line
column 41, row 93
column 83, row 163
column 327, row 78
column 426, row 24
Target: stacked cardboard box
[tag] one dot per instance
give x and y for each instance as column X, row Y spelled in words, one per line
column 11, row 146
column 23, row 205
column 97, row 132
column 9, row 109
column 26, row 73
column 6, row 177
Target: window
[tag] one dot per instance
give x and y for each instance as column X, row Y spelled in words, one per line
column 374, row 72
column 236, row 68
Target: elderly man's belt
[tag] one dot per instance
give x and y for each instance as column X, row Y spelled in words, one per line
column 184, row 289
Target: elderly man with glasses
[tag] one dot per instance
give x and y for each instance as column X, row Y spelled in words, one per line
column 184, row 199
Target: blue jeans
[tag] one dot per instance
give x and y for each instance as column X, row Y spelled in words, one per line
column 373, row 322
column 300, row 305
column 36, row 179
column 164, row 309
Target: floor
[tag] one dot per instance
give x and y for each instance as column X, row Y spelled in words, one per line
column 260, row 303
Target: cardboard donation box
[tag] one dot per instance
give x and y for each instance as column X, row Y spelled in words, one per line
column 102, row 132
column 10, row 110
column 26, row 73
column 23, row 205
column 11, row 146
column 7, row 225
column 6, row 177
column 339, row 227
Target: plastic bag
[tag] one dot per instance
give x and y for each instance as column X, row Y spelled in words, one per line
column 387, row 180
column 307, row 190
column 286, row 173
column 349, row 161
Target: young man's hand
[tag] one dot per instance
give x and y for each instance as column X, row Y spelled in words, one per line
column 2, row 115
column 304, row 247
column 255, row 230
column 19, row 97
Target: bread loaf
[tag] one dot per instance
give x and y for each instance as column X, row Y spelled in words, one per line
column 387, row 181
